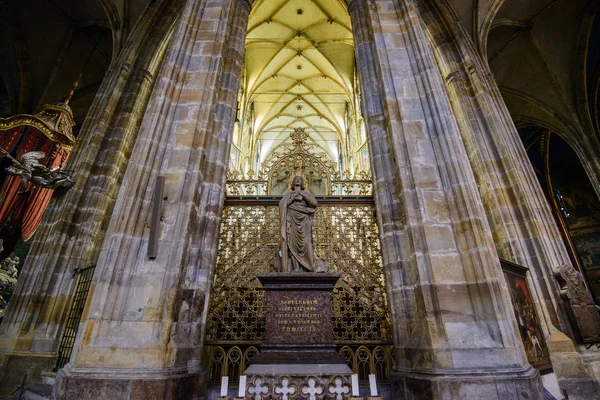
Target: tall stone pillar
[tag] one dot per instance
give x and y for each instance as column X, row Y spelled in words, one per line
column 74, row 224
column 521, row 220
column 454, row 329
column 144, row 326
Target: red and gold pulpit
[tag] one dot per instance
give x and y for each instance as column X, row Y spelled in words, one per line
column 51, row 132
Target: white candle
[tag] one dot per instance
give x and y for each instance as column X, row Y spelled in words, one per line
column 355, row 385
column 373, row 384
column 224, row 386
column 242, row 392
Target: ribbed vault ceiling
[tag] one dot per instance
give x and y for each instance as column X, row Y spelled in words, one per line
column 300, row 71
column 537, row 51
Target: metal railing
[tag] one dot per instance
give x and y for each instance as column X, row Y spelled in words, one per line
column 67, row 341
column 17, row 392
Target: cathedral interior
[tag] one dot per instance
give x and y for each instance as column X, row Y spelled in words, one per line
column 453, row 147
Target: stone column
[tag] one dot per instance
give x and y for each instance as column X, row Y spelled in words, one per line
column 455, row 332
column 143, row 330
column 74, row 225
column 524, row 229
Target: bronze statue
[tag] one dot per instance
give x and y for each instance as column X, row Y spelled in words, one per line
column 296, row 212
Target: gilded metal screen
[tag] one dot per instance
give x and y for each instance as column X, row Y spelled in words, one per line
column 346, row 239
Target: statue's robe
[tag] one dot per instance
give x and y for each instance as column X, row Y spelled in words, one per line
column 296, row 218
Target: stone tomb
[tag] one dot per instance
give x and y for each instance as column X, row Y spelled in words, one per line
column 298, row 358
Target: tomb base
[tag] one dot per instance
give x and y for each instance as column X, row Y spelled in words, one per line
column 298, row 356
column 310, row 381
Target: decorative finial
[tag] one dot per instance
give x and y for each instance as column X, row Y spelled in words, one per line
column 75, row 84
column 299, row 136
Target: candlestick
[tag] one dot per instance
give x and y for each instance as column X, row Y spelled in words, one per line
column 224, row 385
column 355, row 390
column 373, row 384
column 242, row 391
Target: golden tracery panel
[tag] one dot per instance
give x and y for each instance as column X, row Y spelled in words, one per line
column 346, row 238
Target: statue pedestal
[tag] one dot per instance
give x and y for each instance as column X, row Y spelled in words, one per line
column 298, row 355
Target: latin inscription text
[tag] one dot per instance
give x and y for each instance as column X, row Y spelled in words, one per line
column 299, row 316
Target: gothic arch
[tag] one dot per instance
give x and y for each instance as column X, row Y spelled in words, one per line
column 486, row 27
column 115, row 23
column 591, row 13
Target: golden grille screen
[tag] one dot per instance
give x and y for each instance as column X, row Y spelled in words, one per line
column 346, row 239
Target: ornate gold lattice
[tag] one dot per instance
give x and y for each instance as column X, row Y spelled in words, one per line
column 346, row 238
column 232, row 360
column 301, row 158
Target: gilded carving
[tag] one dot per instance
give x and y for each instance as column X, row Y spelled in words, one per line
column 55, row 122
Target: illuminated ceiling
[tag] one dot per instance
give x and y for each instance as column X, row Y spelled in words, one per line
column 300, row 72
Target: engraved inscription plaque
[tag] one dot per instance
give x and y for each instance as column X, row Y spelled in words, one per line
column 298, row 326
column 299, row 317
